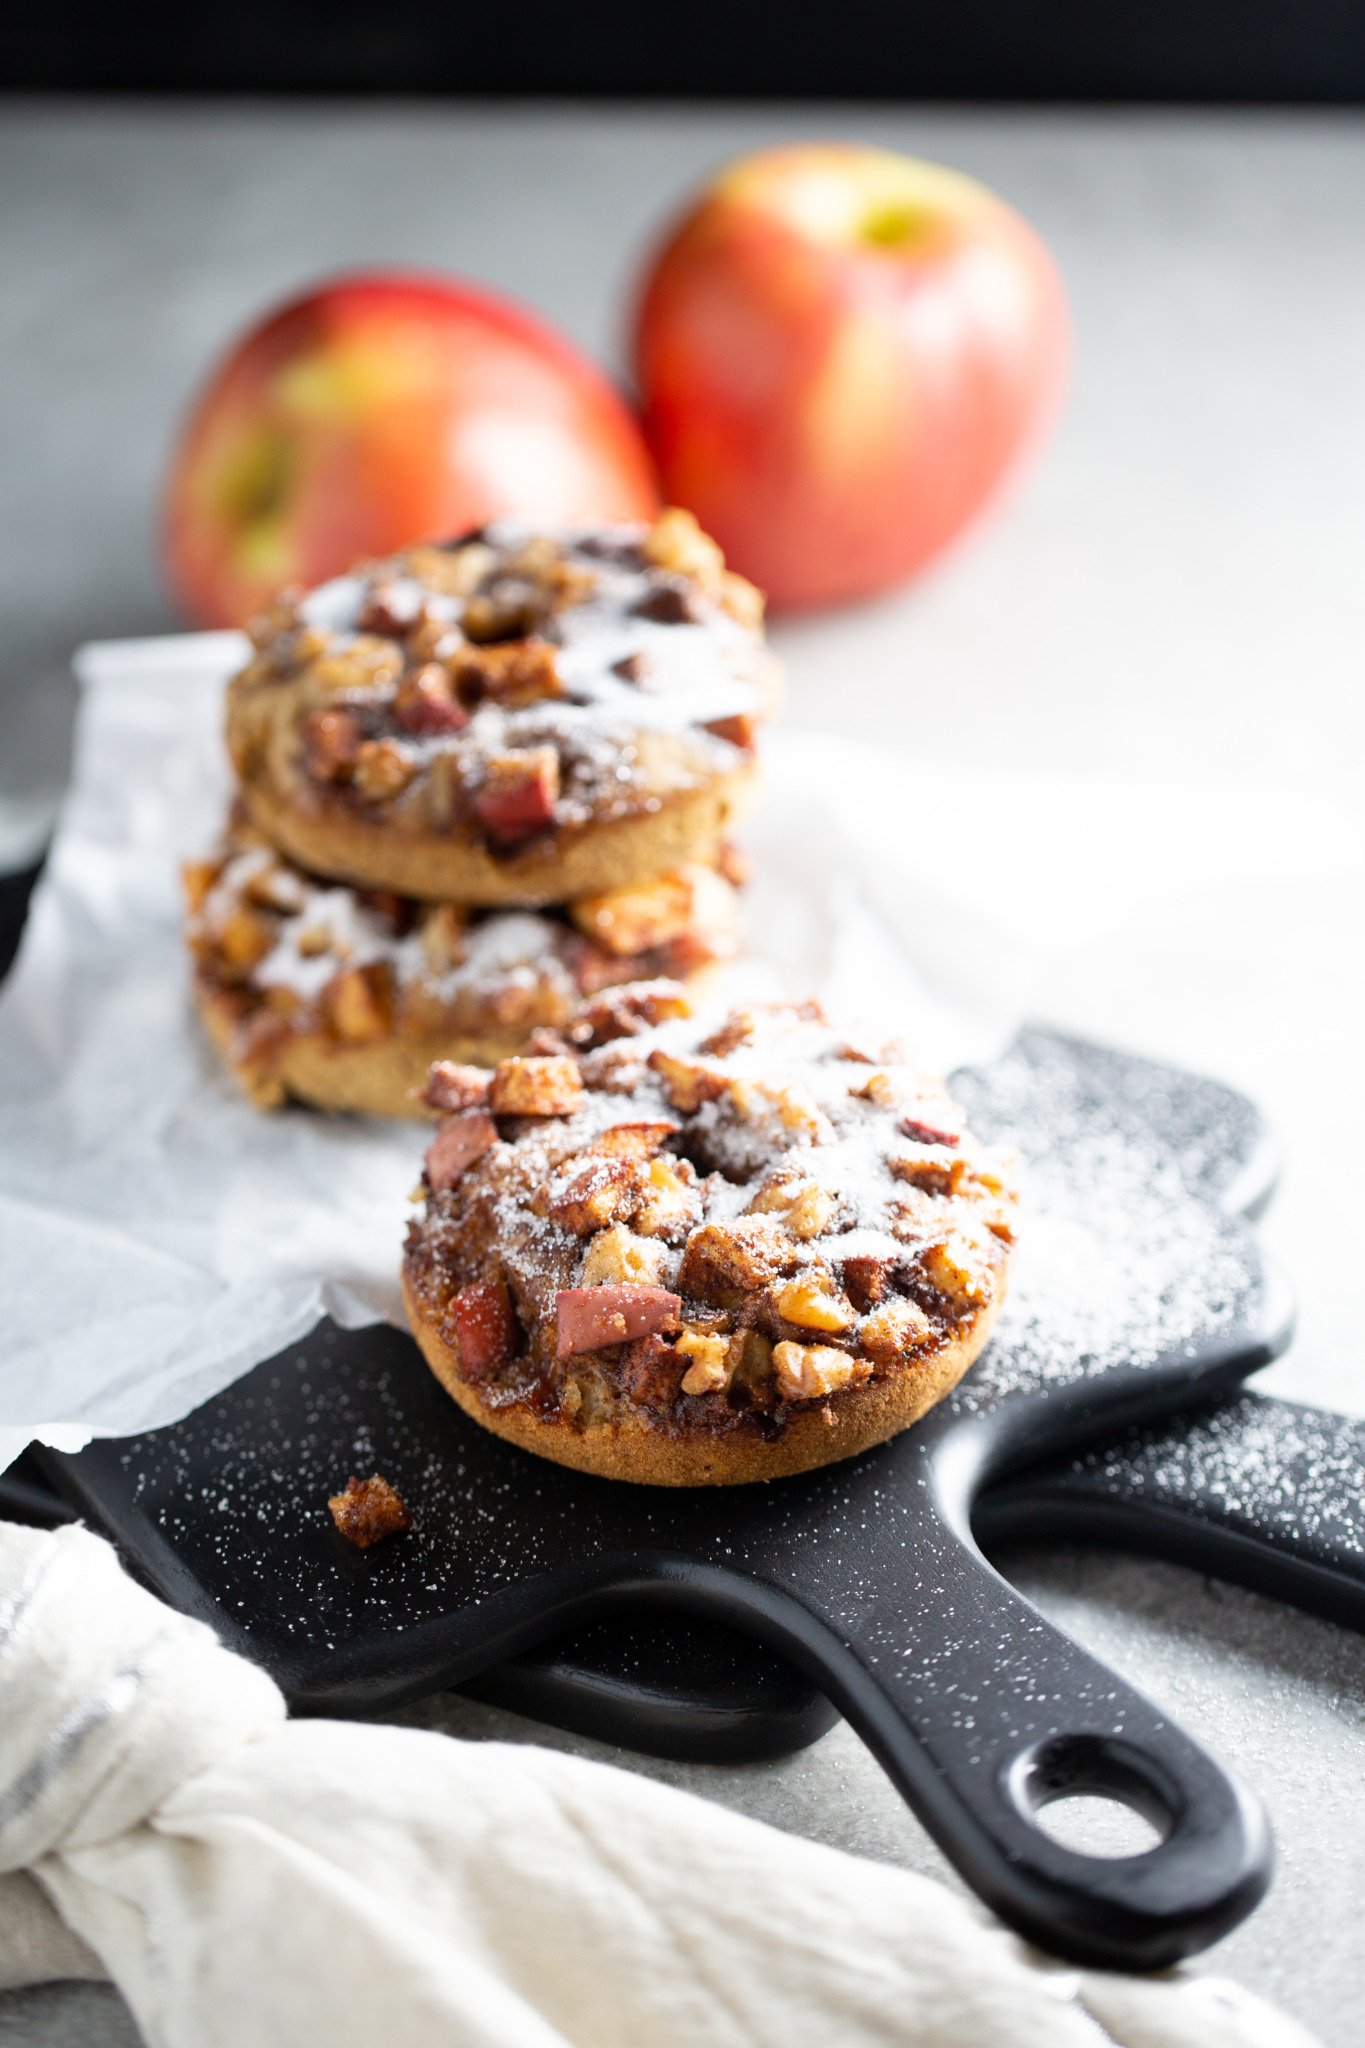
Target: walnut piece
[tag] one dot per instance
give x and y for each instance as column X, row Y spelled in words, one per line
column 710, row 1371
column 382, row 770
column 811, row 1301
column 803, row 1207
column 804, row 1372
column 676, row 543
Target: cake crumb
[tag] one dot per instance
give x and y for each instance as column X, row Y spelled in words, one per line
column 368, row 1510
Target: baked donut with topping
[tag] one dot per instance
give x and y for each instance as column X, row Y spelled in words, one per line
column 518, row 717
column 690, row 1257
column 316, row 992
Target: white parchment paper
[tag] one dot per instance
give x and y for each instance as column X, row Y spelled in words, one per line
column 158, row 1236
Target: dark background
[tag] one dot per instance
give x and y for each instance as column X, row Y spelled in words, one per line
column 1176, row 50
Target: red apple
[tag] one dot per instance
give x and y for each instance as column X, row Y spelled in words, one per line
column 381, row 409
column 841, row 353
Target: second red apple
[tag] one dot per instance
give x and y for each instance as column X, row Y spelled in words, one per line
column 842, row 352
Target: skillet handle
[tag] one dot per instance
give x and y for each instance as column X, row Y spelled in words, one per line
column 1263, row 1492
column 982, row 1712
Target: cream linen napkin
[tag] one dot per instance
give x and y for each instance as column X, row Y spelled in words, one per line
column 251, row 1882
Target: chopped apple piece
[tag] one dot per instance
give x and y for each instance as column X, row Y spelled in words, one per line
column 588, row 1318
column 457, row 1145
column 591, row 1191
column 426, row 701
column 738, row 1256
column 358, row 1003
column 485, row 1327
column 959, row 1271
column 894, row 1331
column 450, row 1087
column 550, row 1086
column 331, row 743
column 519, row 794
column 686, row 1083
column 669, row 1205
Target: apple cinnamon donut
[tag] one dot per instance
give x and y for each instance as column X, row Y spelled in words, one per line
column 315, row 992
column 517, row 718
column 694, row 1258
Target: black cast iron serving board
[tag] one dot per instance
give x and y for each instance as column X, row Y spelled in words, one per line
column 1134, row 1290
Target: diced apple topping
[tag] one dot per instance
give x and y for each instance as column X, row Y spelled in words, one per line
column 648, row 914
column 358, row 1002
column 687, row 1083
column 244, row 937
column 513, row 673
column 197, row 878
column 382, row 770
column 650, row 1371
column 796, row 1110
column 331, row 743
column 735, row 1257
column 669, row 1205
column 633, row 1141
column 710, row 1369
column 618, row 1255
column 803, row 1207
column 443, row 937
column 866, row 1277
column 536, row 1087
column 450, row 1087
column 454, row 572
column 806, row 1372
column 276, row 888
column 484, row 1325
column 426, row 701
column 390, row 608
column 589, row 1318
column 737, row 1030
column 457, row 1145
column 591, row 1191
column 740, row 729
column 519, row 794
column 894, row 1331
column 811, row 1301
column 627, row 1010
column 933, row 1169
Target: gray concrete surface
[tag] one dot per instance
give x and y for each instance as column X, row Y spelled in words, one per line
column 1175, row 592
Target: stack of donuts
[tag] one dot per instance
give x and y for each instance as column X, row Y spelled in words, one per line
column 476, row 785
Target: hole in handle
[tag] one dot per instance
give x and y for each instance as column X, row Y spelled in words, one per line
column 1102, row 1796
